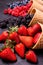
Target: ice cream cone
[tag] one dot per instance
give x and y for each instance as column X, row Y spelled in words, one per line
column 38, row 16
column 39, row 1
column 36, row 5
column 39, row 44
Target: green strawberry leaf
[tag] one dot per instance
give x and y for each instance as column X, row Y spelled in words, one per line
column 13, row 29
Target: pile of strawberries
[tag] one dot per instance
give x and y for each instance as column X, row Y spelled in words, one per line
column 19, row 40
column 19, row 10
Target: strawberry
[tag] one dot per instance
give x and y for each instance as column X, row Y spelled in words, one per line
column 5, row 11
column 31, row 56
column 0, row 53
column 36, row 28
column 27, row 41
column 36, row 37
column 7, row 54
column 22, row 30
column 20, row 49
column 14, row 36
column 30, row 31
column 3, row 36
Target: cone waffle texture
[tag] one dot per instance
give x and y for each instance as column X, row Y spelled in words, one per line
column 38, row 16
column 39, row 44
column 39, row 1
column 36, row 5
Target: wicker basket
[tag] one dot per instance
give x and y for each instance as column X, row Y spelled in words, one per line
column 38, row 16
column 36, row 5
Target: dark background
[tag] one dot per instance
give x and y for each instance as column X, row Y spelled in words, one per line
column 19, row 60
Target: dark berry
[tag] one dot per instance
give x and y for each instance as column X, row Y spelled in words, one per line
column 27, row 16
column 14, row 4
column 20, row 17
column 11, row 6
column 31, row 15
column 24, row 3
column 3, row 25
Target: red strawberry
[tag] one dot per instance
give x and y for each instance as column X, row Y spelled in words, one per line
column 3, row 36
column 0, row 53
column 30, row 31
column 27, row 41
column 7, row 54
column 31, row 56
column 22, row 30
column 20, row 49
column 5, row 11
column 36, row 28
column 14, row 36
column 36, row 37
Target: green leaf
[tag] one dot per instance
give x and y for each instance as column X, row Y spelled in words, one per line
column 13, row 29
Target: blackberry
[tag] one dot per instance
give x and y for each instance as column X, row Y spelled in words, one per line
column 31, row 16
column 20, row 17
column 24, row 3
column 23, row 21
column 27, row 16
column 3, row 25
column 15, row 18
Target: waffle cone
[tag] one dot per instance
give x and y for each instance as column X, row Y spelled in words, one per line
column 38, row 16
column 39, row 44
column 39, row 1
column 36, row 5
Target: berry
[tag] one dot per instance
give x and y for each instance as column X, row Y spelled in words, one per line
column 5, row 11
column 36, row 37
column 8, row 55
column 22, row 30
column 14, row 36
column 31, row 56
column 20, row 49
column 36, row 28
column 27, row 41
column 30, row 31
